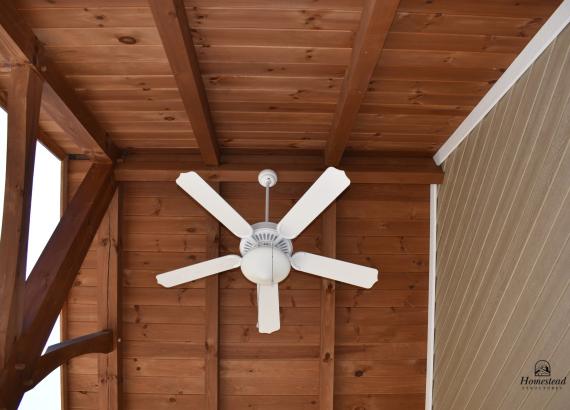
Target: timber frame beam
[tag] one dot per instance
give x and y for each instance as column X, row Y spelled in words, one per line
column 58, row 354
column 377, row 17
column 23, row 115
column 48, row 284
column 172, row 23
column 59, row 99
column 374, row 170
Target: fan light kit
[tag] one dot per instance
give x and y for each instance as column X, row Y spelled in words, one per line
column 266, row 248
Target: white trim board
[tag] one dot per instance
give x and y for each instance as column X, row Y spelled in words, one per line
column 545, row 36
column 431, row 293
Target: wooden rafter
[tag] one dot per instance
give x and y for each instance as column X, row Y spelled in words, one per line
column 59, row 99
column 172, row 23
column 376, row 19
column 60, row 353
column 327, row 356
column 212, row 313
column 51, row 278
column 373, row 170
column 109, row 306
column 47, row 141
column 23, row 115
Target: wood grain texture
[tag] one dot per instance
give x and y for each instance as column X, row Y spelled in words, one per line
column 59, row 99
column 258, row 58
column 501, row 294
column 172, row 24
column 272, row 75
column 54, row 269
column 328, row 292
column 56, row 355
column 109, row 315
column 212, row 314
column 51, row 278
column 25, row 96
column 375, row 22
column 379, row 333
column 242, row 168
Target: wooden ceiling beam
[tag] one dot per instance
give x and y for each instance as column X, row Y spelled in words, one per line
column 174, row 29
column 373, row 170
column 65, row 107
column 47, row 141
column 59, row 98
column 375, row 22
column 23, row 115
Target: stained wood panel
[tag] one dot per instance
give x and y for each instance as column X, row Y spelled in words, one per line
column 380, row 333
column 81, row 314
column 366, row 331
column 502, row 294
column 261, row 58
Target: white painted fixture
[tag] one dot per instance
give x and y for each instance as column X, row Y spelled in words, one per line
column 266, row 248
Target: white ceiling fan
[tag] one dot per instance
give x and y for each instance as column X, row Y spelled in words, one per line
column 265, row 247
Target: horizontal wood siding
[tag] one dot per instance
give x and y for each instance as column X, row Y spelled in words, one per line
column 502, row 293
column 80, row 315
column 380, row 333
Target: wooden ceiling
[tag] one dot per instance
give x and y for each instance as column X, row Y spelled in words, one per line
column 290, row 75
column 186, row 84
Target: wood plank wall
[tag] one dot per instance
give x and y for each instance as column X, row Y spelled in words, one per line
column 502, row 293
column 80, row 386
column 380, row 333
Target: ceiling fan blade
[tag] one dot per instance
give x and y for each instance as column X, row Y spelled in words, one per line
column 317, row 198
column 198, row 270
column 335, row 269
column 210, row 200
column 268, row 308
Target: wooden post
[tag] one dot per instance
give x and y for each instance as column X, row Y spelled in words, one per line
column 109, row 305
column 326, row 382
column 48, row 285
column 212, row 314
column 63, row 331
column 23, row 114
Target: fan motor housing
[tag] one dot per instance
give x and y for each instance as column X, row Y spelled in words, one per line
column 265, row 255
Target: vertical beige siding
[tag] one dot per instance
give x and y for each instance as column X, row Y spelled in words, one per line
column 503, row 259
